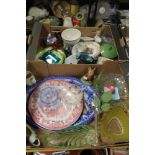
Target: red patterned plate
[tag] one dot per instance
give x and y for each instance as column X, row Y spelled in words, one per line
column 55, row 104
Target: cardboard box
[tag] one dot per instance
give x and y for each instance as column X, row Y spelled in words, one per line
column 40, row 32
column 41, row 70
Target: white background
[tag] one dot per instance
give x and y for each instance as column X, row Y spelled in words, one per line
column 12, row 78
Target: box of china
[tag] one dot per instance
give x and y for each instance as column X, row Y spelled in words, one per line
column 77, row 140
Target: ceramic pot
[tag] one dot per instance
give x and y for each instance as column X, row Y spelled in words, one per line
column 108, row 51
column 69, row 38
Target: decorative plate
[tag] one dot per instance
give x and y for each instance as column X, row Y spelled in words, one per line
column 92, row 48
column 56, row 103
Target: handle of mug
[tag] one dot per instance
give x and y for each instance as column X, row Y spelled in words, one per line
column 33, row 139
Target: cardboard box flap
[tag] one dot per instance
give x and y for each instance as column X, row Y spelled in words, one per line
column 38, row 68
column 41, row 69
column 87, row 31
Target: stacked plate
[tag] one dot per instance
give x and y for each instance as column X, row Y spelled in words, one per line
column 55, row 103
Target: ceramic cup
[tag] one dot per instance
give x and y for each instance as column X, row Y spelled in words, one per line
column 30, row 79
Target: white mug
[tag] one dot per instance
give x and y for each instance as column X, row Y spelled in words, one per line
column 33, row 139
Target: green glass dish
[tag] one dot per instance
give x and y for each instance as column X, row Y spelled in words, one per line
column 114, row 126
column 51, row 56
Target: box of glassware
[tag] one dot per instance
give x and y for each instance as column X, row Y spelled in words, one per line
column 81, row 45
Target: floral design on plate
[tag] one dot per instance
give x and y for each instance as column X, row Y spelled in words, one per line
column 64, row 100
column 55, row 104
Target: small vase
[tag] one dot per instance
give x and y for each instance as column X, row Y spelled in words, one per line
column 67, row 22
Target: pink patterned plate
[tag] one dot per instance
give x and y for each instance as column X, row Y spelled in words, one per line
column 55, row 104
